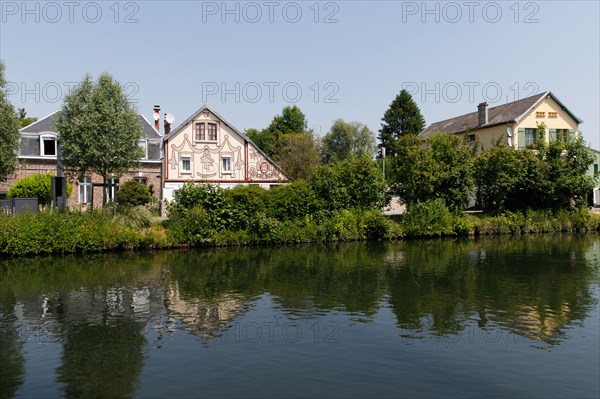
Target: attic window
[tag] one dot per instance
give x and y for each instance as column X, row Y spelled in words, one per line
column 470, row 138
column 552, row 114
column 539, row 114
column 48, row 145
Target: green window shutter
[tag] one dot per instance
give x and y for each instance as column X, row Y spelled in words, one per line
column 552, row 135
column 521, row 133
column 571, row 134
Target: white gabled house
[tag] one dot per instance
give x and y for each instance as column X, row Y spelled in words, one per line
column 206, row 148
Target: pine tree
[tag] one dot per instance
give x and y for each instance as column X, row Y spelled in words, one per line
column 403, row 117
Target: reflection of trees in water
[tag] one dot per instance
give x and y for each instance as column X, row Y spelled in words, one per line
column 531, row 286
column 12, row 363
column 302, row 279
column 102, row 360
column 98, row 308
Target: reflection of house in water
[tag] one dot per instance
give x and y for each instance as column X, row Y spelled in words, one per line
column 202, row 317
column 530, row 322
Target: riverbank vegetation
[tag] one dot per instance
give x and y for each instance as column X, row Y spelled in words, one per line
column 339, row 195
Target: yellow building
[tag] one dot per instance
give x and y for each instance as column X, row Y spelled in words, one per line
column 514, row 124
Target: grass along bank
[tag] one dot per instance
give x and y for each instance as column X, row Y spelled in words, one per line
column 97, row 231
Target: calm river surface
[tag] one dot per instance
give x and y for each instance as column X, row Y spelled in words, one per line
column 505, row 317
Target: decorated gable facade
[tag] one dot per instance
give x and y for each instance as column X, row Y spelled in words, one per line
column 207, row 149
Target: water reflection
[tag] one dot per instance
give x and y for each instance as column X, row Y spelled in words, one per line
column 102, row 308
column 11, row 354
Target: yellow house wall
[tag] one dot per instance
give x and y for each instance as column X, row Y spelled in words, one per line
column 488, row 137
column 562, row 121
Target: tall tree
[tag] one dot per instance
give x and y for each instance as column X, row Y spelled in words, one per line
column 346, row 139
column 9, row 131
column 442, row 167
column 292, row 120
column 289, row 143
column 270, row 139
column 99, row 130
column 298, row 155
column 402, row 117
column 24, row 120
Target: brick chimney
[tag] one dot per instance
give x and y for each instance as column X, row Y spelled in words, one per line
column 167, row 125
column 157, row 120
column 482, row 110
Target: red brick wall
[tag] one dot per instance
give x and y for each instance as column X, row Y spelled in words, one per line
column 28, row 167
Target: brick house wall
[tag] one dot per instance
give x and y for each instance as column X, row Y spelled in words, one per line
column 29, row 167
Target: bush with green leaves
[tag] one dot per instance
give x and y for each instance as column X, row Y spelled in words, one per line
column 35, row 186
column 357, row 182
column 552, row 177
column 292, row 201
column 441, row 167
column 430, row 218
column 133, row 193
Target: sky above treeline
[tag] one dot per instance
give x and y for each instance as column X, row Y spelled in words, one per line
column 334, row 59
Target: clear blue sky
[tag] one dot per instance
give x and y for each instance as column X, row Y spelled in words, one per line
column 349, row 59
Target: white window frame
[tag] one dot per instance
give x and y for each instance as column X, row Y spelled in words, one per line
column 144, row 146
column 223, row 169
column 112, row 188
column 44, row 137
column 85, row 183
column 184, row 171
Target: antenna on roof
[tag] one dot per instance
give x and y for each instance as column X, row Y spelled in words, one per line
column 169, row 118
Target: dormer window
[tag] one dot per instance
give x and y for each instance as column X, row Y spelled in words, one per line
column 48, row 145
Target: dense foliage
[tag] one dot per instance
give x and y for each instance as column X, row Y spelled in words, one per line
column 35, row 186
column 133, row 193
column 99, row 129
column 9, row 131
column 550, row 177
column 441, row 167
column 341, row 202
column 356, row 182
column 347, row 139
column 288, row 142
column 402, row 118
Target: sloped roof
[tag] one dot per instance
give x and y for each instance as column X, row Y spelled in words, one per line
column 207, row 108
column 510, row 112
column 46, row 124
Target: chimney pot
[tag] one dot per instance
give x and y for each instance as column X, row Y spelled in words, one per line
column 157, row 120
column 167, row 125
column 482, row 111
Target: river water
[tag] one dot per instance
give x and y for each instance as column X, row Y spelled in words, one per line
column 503, row 317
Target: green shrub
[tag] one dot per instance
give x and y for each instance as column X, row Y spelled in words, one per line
column 292, row 201
column 264, row 228
column 134, row 217
column 133, row 193
column 376, row 225
column 428, row 219
column 35, row 186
